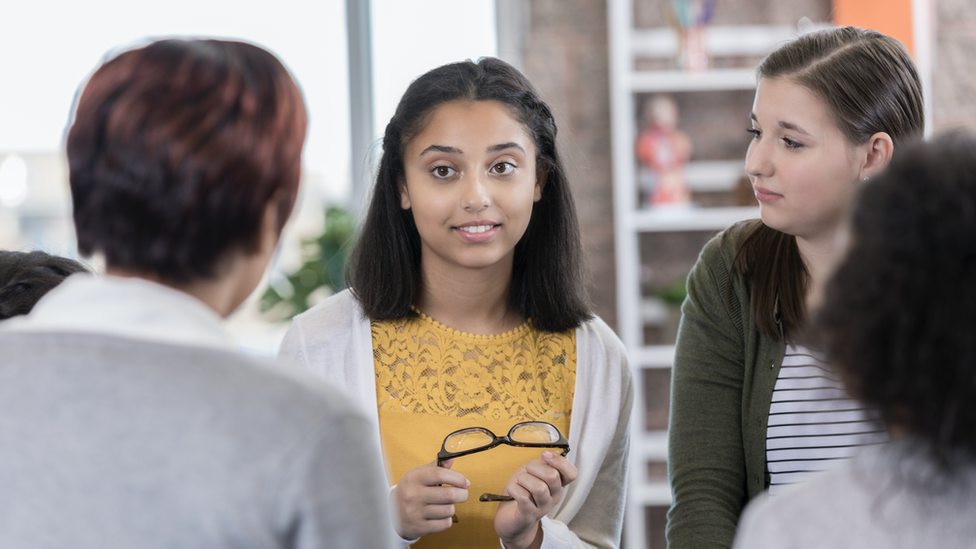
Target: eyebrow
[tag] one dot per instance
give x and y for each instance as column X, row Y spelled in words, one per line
column 455, row 150
column 503, row 146
column 784, row 125
column 441, row 148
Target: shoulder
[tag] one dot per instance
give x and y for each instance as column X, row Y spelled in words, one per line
column 331, row 339
column 238, row 390
column 342, row 309
column 596, row 332
column 596, row 341
column 711, row 273
column 333, row 319
column 721, row 250
column 808, row 511
column 264, row 387
column 305, row 397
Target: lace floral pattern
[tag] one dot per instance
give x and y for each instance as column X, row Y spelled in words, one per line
column 423, row 366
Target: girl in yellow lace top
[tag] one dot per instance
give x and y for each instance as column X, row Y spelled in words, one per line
column 468, row 309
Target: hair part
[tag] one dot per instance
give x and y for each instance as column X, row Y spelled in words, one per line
column 547, row 279
column 176, row 150
column 26, row 277
column 899, row 312
column 869, row 83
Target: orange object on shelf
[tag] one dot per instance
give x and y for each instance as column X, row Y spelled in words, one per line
column 891, row 17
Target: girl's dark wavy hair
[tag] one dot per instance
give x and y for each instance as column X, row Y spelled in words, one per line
column 899, row 315
column 547, row 278
column 870, row 84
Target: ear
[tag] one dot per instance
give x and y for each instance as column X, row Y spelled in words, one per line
column 540, row 183
column 879, row 149
column 269, row 233
column 404, row 193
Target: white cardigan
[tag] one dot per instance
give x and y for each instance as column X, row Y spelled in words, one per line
column 334, row 340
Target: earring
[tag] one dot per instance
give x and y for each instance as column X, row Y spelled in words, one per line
column 865, row 178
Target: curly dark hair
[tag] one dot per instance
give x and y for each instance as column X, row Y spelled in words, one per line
column 26, row 276
column 547, row 278
column 899, row 318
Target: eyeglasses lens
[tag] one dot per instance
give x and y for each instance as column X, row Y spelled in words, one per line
column 468, row 439
column 535, row 433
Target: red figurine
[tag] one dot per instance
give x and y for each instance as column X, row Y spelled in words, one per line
column 664, row 150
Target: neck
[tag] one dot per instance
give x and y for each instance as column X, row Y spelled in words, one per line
column 820, row 256
column 218, row 294
column 469, row 300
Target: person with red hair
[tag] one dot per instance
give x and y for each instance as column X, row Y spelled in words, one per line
column 128, row 419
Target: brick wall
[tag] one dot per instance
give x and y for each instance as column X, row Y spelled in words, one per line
column 954, row 72
column 565, row 56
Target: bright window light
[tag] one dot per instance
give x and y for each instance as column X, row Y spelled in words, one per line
column 13, row 181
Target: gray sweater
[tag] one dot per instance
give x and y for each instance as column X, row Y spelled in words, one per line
column 111, row 442
column 889, row 497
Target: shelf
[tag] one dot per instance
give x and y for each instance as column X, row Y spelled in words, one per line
column 654, row 356
column 714, row 175
column 662, row 219
column 730, row 46
column 683, row 81
column 651, row 494
column 724, row 41
column 651, row 446
column 654, row 446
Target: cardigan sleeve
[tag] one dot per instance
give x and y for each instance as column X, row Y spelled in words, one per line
column 332, row 341
column 706, row 462
column 605, row 431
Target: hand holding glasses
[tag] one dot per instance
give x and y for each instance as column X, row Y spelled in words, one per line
column 529, row 434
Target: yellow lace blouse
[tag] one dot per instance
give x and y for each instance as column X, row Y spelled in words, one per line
column 432, row 380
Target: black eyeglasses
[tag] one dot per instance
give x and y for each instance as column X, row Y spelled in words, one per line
column 529, row 434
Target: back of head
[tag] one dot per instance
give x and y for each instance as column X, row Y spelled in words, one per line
column 900, row 312
column 384, row 268
column 176, row 150
column 867, row 79
column 25, row 277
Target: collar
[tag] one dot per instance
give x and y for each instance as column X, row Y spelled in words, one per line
column 132, row 308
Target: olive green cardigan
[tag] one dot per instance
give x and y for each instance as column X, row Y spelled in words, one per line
column 721, row 388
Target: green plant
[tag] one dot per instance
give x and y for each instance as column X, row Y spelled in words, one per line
column 321, row 273
column 674, row 293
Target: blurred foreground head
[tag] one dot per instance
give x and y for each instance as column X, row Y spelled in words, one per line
column 176, row 151
column 25, row 277
column 899, row 317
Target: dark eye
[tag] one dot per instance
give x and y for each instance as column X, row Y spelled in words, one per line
column 503, row 168
column 442, row 171
column 756, row 134
column 790, row 144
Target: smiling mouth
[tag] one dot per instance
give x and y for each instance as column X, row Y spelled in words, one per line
column 476, row 228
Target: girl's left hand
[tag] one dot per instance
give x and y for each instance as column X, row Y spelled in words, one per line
column 537, row 487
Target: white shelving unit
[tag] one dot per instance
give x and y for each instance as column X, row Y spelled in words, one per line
column 627, row 44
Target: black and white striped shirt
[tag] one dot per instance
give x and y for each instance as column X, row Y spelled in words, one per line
column 813, row 423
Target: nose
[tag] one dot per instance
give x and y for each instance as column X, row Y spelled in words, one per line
column 474, row 195
column 758, row 162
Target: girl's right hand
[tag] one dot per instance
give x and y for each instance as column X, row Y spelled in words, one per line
column 424, row 499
